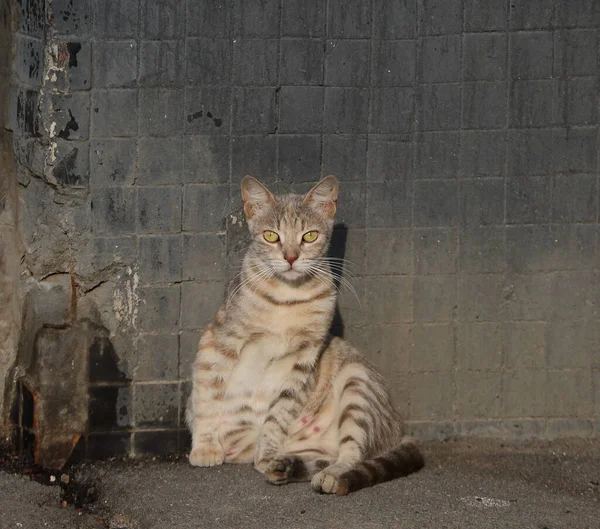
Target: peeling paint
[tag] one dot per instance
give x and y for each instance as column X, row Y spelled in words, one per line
column 236, row 220
column 126, row 299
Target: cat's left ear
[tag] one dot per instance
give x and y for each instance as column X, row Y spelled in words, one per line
column 255, row 196
column 324, row 196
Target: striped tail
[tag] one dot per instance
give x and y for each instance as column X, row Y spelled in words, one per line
column 401, row 461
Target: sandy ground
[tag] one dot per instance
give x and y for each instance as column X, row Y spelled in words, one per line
column 466, row 484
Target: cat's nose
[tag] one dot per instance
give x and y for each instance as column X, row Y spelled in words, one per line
column 291, row 258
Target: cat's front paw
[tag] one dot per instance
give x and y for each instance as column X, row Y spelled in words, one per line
column 263, row 456
column 280, row 469
column 263, row 465
column 208, row 455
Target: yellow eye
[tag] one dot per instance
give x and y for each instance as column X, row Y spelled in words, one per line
column 310, row 236
column 270, row 236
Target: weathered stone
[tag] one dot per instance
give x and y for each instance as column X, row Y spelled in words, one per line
column 57, row 379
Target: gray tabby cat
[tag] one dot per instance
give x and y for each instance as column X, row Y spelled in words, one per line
column 270, row 386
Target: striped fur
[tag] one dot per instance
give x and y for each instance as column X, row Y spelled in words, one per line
column 270, row 385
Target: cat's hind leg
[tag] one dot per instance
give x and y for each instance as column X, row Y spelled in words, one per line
column 356, row 424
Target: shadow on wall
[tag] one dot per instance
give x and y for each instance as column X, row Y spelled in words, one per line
column 337, row 251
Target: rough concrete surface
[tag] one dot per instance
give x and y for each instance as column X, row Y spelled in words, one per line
column 465, row 137
column 466, row 484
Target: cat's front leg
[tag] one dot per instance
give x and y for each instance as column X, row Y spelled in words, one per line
column 206, row 451
column 204, row 405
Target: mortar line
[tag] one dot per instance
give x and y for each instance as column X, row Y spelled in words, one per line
column 503, row 318
column 323, row 84
column 233, row 38
column 184, row 189
column 414, row 136
column 459, row 228
column 132, row 451
column 367, row 142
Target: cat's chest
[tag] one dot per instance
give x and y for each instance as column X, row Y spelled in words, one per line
column 260, row 369
column 284, row 322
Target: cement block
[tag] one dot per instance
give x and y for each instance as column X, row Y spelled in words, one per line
column 156, row 405
column 531, row 54
column 431, row 396
column 482, row 202
column 439, row 59
column 569, row 393
column 484, row 56
column 346, row 110
column 437, row 155
column 163, row 20
column 485, row 16
column 394, row 63
column 159, row 308
column 306, row 19
column 478, row 394
column 115, row 64
column 432, row 347
column 209, row 61
column 434, row 298
column 525, row 345
column 389, row 299
column 254, row 110
column 158, row 357
column 161, row 111
column 301, row 62
column 394, row 19
column 344, row 156
column 255, row 62
column 349, row 19
column 205, row 207
column 480, row 346
column 203, row 257
column 301, row 109
column 161, row 63
column 389, row 204
column 389, row 251
column 347, row 62
column 201, row 301
column 160, row 258
column 159, row 209
column 116, row 19
column 160, row 160
column 525, row 393
column 439, row 18
column 389, row 158
column 436, row 250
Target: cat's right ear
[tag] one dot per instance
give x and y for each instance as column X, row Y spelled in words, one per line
column 255, row 196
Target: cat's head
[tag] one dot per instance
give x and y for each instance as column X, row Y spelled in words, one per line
column 290, row 233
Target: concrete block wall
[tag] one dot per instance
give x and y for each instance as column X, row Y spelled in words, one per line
column 465, row 137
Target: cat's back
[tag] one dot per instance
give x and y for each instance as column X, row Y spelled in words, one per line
column 341, row 360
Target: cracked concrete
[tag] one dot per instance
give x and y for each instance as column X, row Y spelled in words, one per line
column 467, row 483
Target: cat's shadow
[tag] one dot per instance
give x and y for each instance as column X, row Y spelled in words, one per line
column 337, row 250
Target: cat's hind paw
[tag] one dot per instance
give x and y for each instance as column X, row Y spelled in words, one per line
column 206, row 456
column 328, row 483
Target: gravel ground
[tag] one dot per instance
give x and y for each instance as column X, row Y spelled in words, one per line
column 465, row 484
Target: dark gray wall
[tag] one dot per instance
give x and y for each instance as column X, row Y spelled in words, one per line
column 465, row 136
